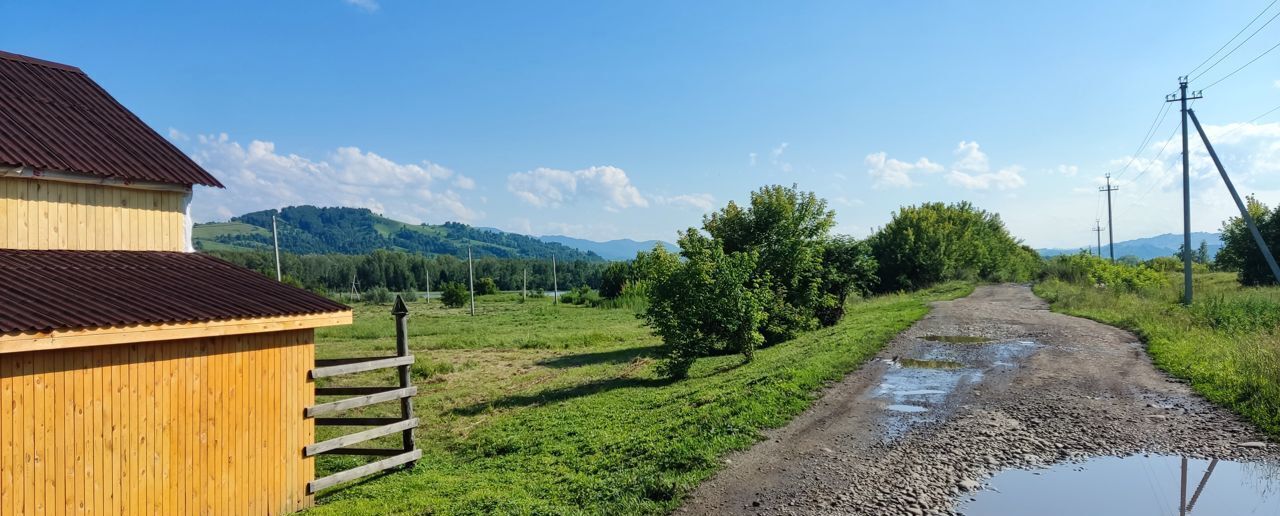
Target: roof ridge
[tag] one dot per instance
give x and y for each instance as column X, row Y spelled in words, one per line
column 39, row 62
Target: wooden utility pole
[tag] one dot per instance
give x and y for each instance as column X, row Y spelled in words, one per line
column 471, row 279
column 1182, row 98
column 555, row 283
column 1097, row 230
column 1111, row 235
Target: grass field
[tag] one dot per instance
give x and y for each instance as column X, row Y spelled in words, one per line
column 1226, row 344
column 529, row 408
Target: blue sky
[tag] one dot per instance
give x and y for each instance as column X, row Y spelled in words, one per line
column 631, row 119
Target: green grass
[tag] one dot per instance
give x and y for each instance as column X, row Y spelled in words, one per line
column 1226, row 344
column 534, row 409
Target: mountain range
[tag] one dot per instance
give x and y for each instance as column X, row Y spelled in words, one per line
column 621, row 249
column 1150, row 247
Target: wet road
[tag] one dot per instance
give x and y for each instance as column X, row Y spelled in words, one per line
column 989, row 383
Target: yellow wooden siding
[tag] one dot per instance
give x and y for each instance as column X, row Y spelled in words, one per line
column 40, row 214
column 198, row 426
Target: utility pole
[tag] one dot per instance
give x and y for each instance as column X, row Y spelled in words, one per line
column 471, row 280
column 555, row 283
column 1111, row 235
column 428, row 286
column 524, row 285
column 1182, row 98
column 275, row 238
column 1097, row 230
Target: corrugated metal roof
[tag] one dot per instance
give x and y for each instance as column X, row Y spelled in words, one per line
column 54, row 117
column 47, row 290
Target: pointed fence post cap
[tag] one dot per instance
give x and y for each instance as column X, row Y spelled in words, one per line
column 399, row 308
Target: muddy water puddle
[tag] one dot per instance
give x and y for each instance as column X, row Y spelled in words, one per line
column 916, row 389
column 1139, row 485
column 957, row 339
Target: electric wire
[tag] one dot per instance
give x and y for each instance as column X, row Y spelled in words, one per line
column 1252, row 120
column 1233, row 38
column 1155, row 122
column 1242, row 42
column 1242, row 67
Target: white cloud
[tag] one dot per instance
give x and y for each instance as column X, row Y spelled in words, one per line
column 887, row 172
column 178, row 136
column 1277, row 83
column 700, row 201
column 775, row 157
column 548, row 187
column 1066, row 170
column 972, row 171
column 258, row 177
column 365, row 5
column 751, row 158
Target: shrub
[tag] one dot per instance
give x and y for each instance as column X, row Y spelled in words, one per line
column 454, row 295
column 708, row 304
column 1086, row 268
column 486, row 287
column 409, row 295
column 378, row 295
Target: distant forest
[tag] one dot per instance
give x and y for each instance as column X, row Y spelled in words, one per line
column 400, row 271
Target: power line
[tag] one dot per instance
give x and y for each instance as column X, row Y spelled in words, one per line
column 1242, row 67
column 1233, row 38
column 1164, row 111
column 1237, row 47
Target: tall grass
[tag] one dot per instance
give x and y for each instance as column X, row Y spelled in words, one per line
column 1227, row 344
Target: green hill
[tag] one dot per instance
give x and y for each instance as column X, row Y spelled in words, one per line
column 312, row 230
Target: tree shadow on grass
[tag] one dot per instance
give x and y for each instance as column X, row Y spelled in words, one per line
column 617, row 356
column 550, row 396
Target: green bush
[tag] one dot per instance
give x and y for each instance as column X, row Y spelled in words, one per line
column 1237, row 314
column 378, row 295
column 410, row 295
column 454, row 295
column 1086, row 268
column 486, row 287
column 708, row 304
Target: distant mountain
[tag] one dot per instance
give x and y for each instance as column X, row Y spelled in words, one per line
column 312, row 230
column 1150, row 247
column 622, row 249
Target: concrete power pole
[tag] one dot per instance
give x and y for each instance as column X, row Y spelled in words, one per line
column 1181, row 97
column 1097, row 230
column 471, row 280
column 555, row 283
column 275, row 239
column 1111, row 234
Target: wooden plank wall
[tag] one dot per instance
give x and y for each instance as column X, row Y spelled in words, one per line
column 199, row 426
column 39, row 214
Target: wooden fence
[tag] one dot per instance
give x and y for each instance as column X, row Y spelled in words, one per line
column 407, row 453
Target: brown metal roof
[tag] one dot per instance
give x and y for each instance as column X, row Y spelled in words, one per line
column 54, row 117
column 47, row 290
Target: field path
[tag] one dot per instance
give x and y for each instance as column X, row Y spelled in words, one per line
column 897, row 438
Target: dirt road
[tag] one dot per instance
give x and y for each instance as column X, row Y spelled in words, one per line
column 926, row 423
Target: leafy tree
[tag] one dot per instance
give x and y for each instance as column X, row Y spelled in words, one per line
column 709, row 303
column 1240, row 252
column 788, row 229
column 454, row 295
column 613, row 279
column 1202, row 253
column 486, row 286
column 847, row 269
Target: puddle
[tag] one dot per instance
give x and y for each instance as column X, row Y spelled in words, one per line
column 906, row 408
column 956, row 339
column 1138, row 485
column 930, row 364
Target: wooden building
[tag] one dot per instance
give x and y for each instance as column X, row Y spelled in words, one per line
column 136, row 377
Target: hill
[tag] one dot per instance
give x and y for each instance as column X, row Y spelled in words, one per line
column 1150, row 247
column 312, row 230
column 622, row 249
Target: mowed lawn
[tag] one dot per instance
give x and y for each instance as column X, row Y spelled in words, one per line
column 529, row 408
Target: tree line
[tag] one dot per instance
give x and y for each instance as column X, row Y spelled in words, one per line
column 400, row 271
